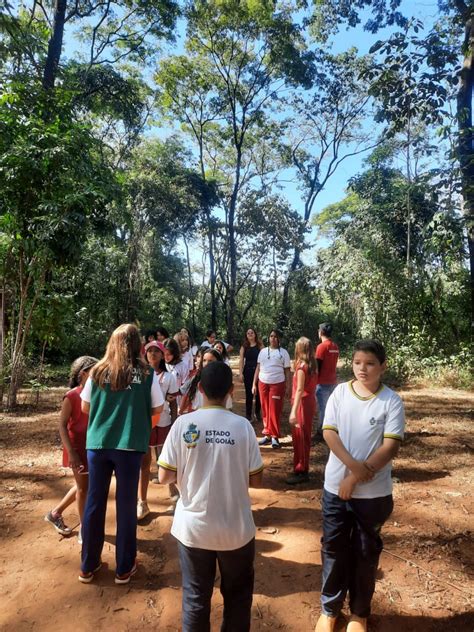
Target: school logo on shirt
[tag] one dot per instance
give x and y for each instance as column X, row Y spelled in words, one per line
column 191, row 436
column 373, row 421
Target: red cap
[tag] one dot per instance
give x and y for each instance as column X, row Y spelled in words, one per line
column 155, row 343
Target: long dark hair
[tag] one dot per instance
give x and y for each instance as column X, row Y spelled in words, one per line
column 223, row 353
column 173, row 347
column 197, row 378
column 258, row 341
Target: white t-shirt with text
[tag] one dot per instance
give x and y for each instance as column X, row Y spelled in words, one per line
column 213, row 452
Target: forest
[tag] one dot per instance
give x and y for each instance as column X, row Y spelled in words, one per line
column 164, row 162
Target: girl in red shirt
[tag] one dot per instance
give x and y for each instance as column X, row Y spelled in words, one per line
column 73, row 430
column 303, row 408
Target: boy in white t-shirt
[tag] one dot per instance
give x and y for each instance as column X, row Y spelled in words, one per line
column 363, row 427
column 214, row 456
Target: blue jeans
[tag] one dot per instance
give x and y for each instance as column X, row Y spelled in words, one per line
column 198, row 568
column 102, row 463
column 351, row 547
column 323, row 392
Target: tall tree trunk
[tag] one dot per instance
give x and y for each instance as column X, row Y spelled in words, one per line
column 25, row 316
column 283, row 318
column 232, row 302
column 40, row 371
column 466, row 142
column 296, row 261
column 212, row 272
column 210, row 237
column 55, row 45
column 190, row 285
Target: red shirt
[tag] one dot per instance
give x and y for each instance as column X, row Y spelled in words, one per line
column 77, row 424
column 328, row 353
column 310, row 381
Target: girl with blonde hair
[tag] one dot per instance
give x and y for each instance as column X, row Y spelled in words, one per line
column 120, row 396
column 303, row 408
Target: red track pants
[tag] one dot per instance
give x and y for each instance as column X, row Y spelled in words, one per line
column 271, row 397
column 302, row 435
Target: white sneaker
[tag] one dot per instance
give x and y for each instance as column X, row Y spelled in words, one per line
column 142, row 509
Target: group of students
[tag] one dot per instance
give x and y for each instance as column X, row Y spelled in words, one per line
column 138, row 398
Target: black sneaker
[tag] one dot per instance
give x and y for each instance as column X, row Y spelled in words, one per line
column 265, row 441
column 58, row 523
column 297, row 477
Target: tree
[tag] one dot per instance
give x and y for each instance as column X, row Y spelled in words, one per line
column 167, row 197
column 326, row 129
column 364, row 269
column 55, row 177
column 112, row 30
column 242, row 56
column 53, row 187
column 434, row 67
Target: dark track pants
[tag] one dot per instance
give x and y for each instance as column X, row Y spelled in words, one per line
column 198, row 568
column 102, row 463
column 351, row 547
column 248, row 382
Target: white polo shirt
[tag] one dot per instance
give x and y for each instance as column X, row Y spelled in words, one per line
column 273, row 363
column 213, row 452
column 362, row 424
column 169, row 386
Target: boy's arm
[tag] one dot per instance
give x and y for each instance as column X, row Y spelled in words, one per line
column 376, row 461
column 256, row 479
column 168, row 460
column 357, row 468
column 383, row 455
column 166, row 476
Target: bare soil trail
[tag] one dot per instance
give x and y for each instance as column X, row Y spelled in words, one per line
column 426, row 574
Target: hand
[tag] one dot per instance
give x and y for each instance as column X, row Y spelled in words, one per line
column 241, row 377
column 360, row 472
column 74, row 461
column 293, row 420
column 254, row 389
column 347, row 487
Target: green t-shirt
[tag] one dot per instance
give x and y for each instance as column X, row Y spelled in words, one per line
column 121, row 420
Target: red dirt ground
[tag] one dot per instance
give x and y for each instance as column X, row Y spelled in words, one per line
column 426, row 571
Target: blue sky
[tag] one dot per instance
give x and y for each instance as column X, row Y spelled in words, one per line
column 346, row 38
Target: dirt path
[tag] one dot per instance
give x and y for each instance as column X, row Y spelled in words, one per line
column 425, row 578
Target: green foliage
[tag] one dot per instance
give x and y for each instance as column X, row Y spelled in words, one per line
column 329, row 15
column 52, row 181
column 418, row 307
